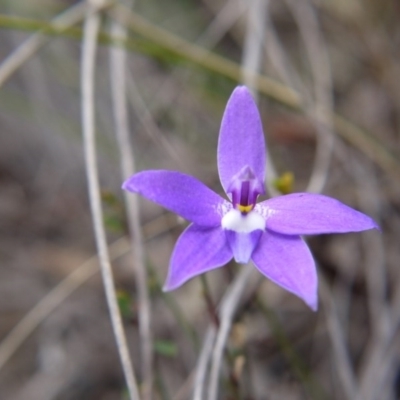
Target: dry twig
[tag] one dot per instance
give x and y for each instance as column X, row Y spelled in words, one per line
column 91, row 29
column 118, row 91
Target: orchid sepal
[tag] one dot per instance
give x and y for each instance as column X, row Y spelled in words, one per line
column 267, row 233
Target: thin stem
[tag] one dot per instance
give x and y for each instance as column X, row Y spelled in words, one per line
column 26, row 326
column 382, row 328
column 91, row 29
column 143, row 114
column 29, row 47
column 118, row 92
column 202, row 365
column 227, row 311
column 226, row 17
column 209, row 301
column 320, row 110
column 341, row 355
column 252, row 49
column 227, row 308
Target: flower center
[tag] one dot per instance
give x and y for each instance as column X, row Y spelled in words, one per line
column 245, row 188
column 235, row 220
column 243, row 226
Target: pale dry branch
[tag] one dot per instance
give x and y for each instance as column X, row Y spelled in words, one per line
column 214, row 342
column 203, row 362
column 319, row 105
column 91, row 29
column 384, row 319
column 224, row 19
column 253, row 43
column 199, row 55
column 252, row 61
column 118, row 92
column 229, row 305
column 143, row 114
column 25, row 327
column 382, row 328
column 340, row 352
column 29, row 47
column 321, row 108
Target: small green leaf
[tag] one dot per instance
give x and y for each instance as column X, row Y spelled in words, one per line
column 113, row 223
column 165, row 348
column 124, row 303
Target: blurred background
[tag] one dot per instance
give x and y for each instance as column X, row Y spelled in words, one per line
column 329, row 95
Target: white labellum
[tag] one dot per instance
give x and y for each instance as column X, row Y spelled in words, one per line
column 234, row 220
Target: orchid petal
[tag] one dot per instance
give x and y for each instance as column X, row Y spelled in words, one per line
column 243, row 244
column 287, row 261
column 309, row 214
column 241, row 139
column 197, row 250
column 181, row 194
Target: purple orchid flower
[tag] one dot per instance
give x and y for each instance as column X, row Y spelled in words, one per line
column 268, row 233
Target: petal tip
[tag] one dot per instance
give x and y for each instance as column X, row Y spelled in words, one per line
column 310, row 299
column 128, row 184
column 241, row 88
column 368, row 224
column 313, row 305
column 169, row 285
column 242, row 91
column 125, row 186
column 376, row 226
column 172, row 283
column 166, row 288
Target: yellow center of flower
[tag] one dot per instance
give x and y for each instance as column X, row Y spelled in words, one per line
column 245, row 209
